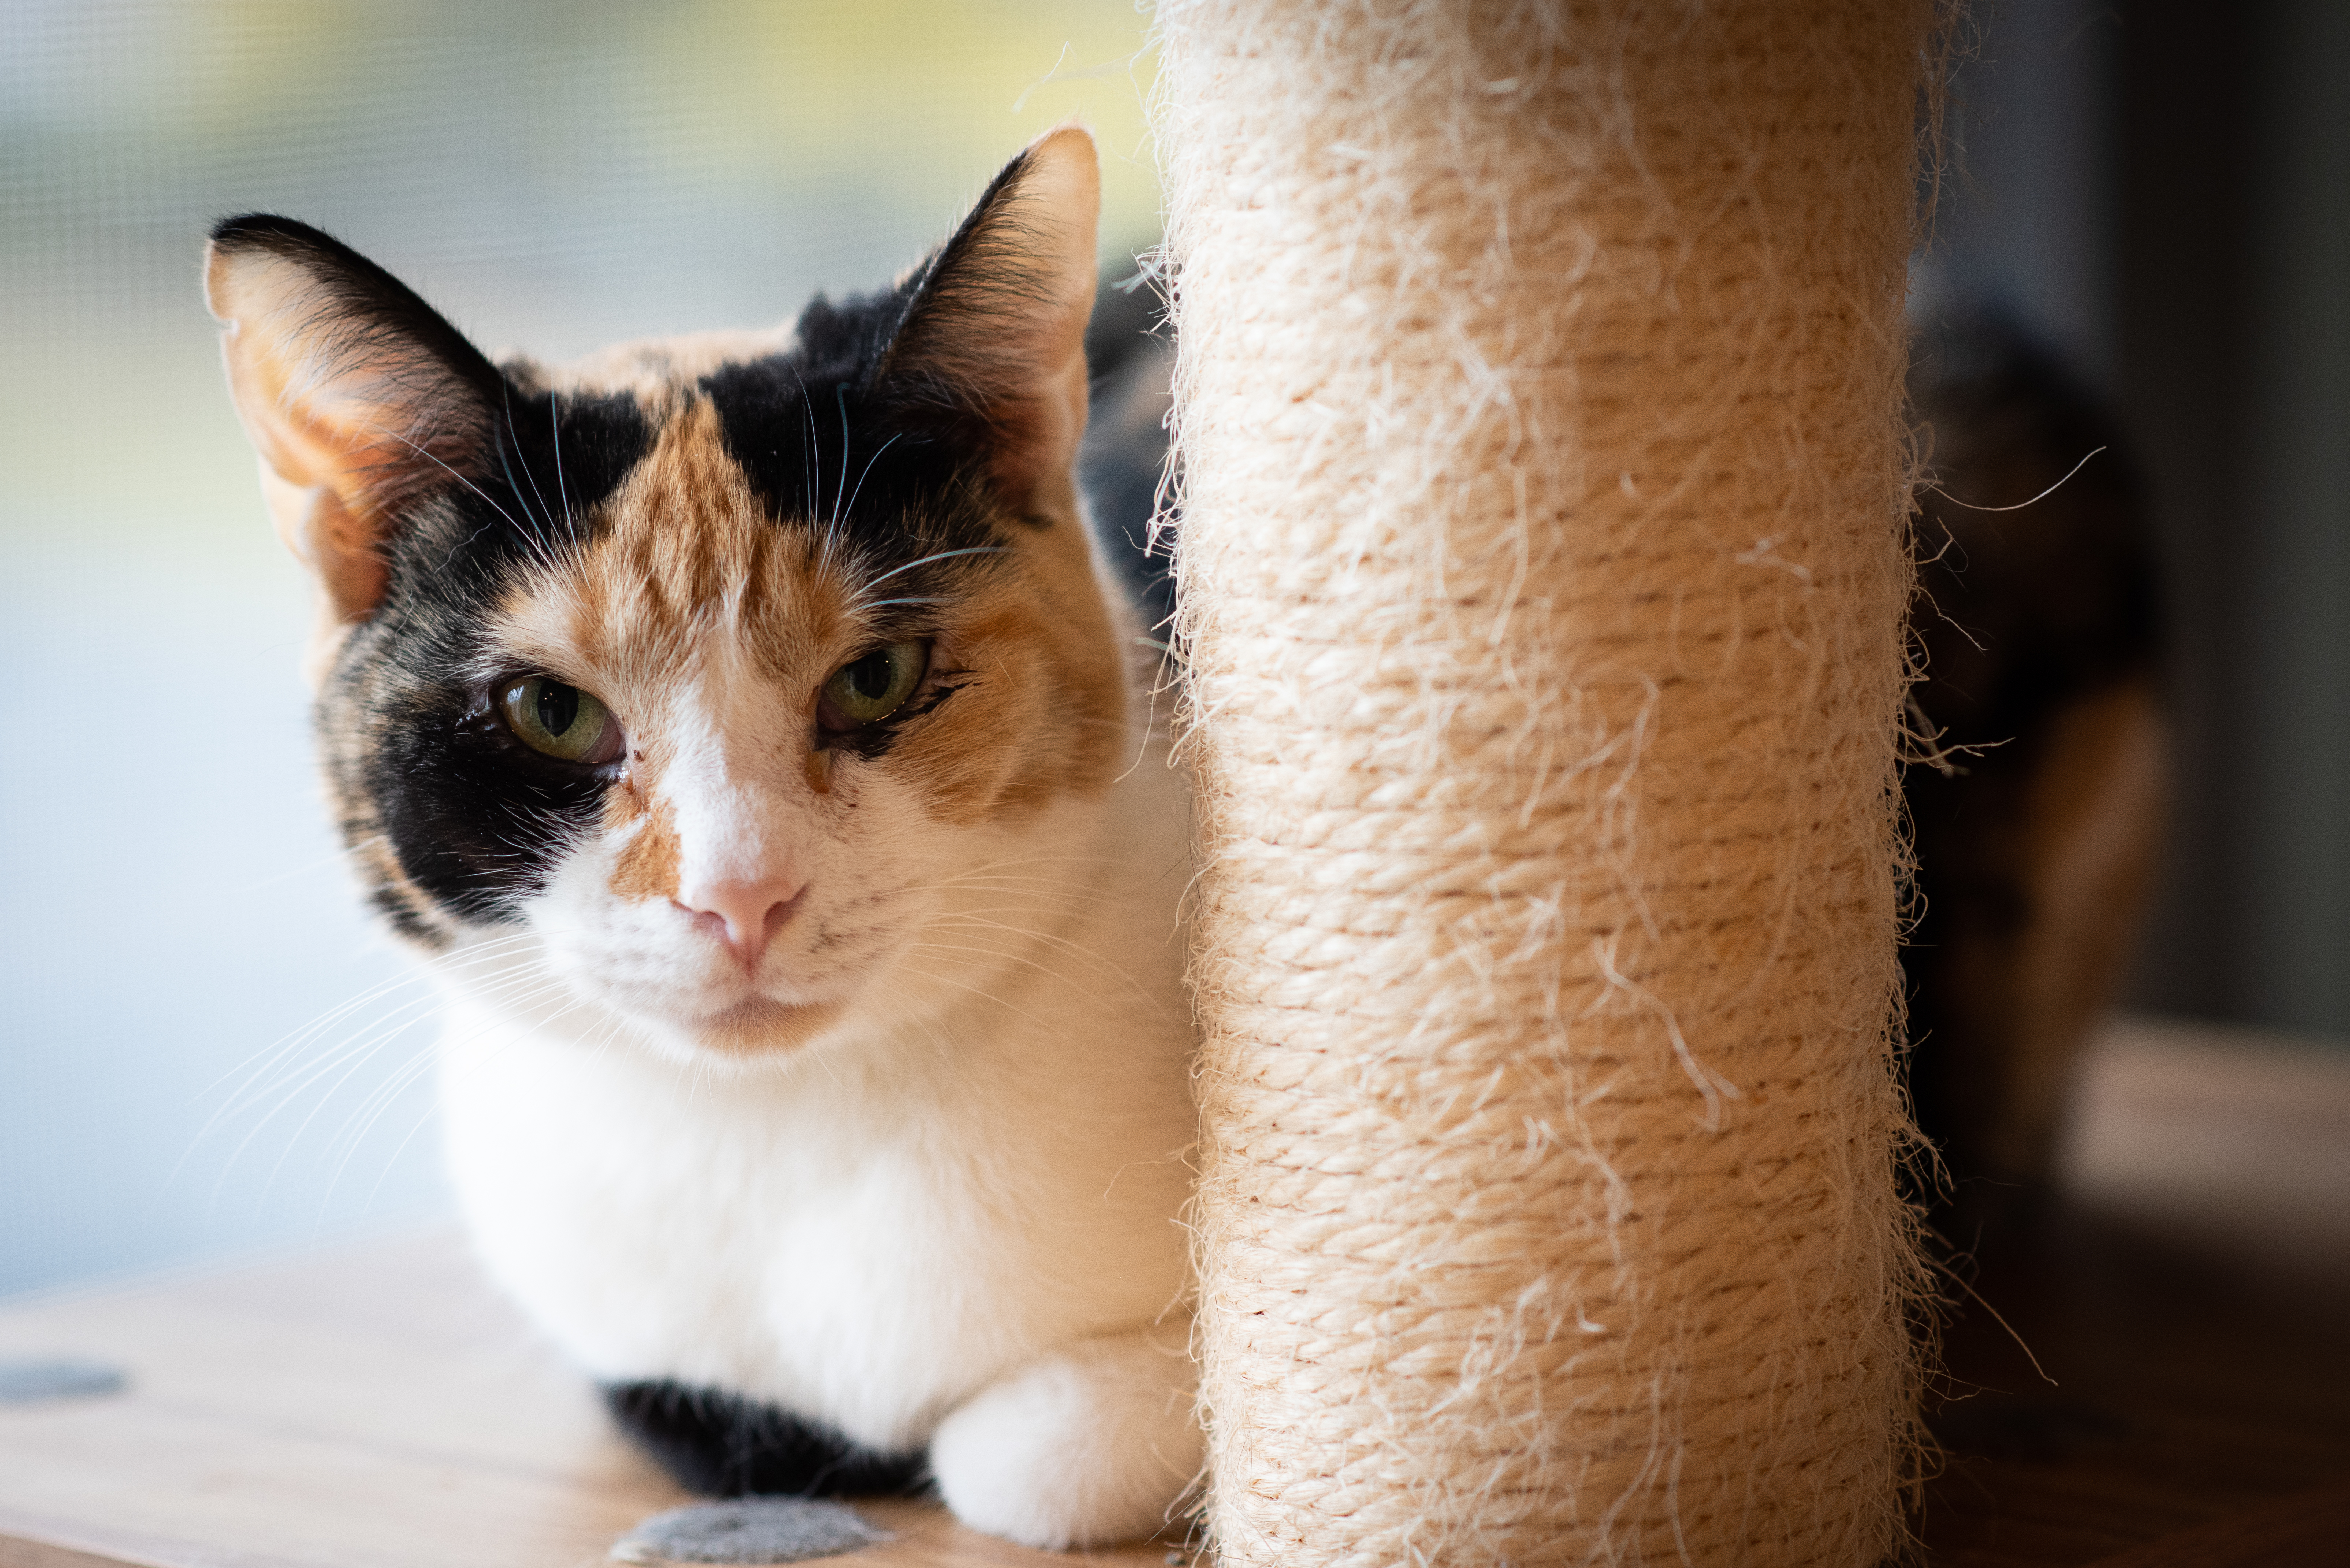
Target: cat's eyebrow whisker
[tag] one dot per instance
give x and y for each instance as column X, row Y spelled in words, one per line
column 540, row 545
column 840, row 401
column 940, row 556
column 555, row 422
column 505, row 390
column 546, row 554
column 811, row 449
column 862, row 478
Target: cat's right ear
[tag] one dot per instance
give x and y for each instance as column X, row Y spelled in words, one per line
column 357, row 396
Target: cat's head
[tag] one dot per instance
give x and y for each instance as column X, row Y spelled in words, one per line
column 705, row 663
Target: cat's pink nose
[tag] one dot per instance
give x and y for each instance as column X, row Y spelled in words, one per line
column 742, row 914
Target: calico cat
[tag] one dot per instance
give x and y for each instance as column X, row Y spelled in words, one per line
column 745, row 726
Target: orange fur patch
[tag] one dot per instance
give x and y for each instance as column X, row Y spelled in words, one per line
column 1043, row 716
column 647, row 863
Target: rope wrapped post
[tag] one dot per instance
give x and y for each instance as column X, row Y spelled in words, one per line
column 1541, row 584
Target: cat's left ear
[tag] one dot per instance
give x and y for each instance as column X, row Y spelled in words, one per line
column 994, row 324
column 357, row 396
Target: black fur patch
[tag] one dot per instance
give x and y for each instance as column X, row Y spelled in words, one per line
column 475, row 819
column 722, row 1445
column 870, row 427
column 893, row 480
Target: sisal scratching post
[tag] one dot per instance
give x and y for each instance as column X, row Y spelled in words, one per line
column 1542, row 577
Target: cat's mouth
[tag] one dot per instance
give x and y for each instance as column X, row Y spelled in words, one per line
column 758, row 1025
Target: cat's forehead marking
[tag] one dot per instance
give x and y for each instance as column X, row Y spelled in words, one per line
column 684, row 552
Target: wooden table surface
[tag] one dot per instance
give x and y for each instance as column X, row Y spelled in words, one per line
column 2189, row 1313
column 372, row 1408
column 377, row 1408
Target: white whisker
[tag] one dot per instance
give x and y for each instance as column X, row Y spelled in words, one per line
column 940, row 555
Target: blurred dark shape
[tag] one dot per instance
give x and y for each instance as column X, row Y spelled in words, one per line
column 2039, row 805
column 24, row 1380
column 2038, row 810
column 1132, row 355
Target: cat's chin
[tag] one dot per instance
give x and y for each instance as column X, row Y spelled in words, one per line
column 759, row 1027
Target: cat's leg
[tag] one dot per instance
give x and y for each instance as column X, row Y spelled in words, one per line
column 1093, row 1443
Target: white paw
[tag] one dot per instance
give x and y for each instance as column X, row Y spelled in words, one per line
column 1091, row 1444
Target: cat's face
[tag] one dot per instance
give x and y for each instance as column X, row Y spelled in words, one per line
column 716, row 669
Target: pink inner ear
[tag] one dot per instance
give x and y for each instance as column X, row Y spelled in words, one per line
column 348, row 558
column 330, row 512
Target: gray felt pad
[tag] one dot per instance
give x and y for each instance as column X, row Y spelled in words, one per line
column 24, row 1381
column 748, row 1530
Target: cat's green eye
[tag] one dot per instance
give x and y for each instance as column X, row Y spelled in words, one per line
column 869, row 688
column 562, row 721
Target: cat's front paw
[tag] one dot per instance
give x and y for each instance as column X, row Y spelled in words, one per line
column 1093, row 1443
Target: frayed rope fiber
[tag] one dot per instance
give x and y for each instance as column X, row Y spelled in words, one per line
column 1542, row 579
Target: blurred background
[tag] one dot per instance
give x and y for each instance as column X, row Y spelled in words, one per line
column 205, row 1051
column 2162, row 190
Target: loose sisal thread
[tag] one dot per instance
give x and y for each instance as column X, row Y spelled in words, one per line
column 1542, row 584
